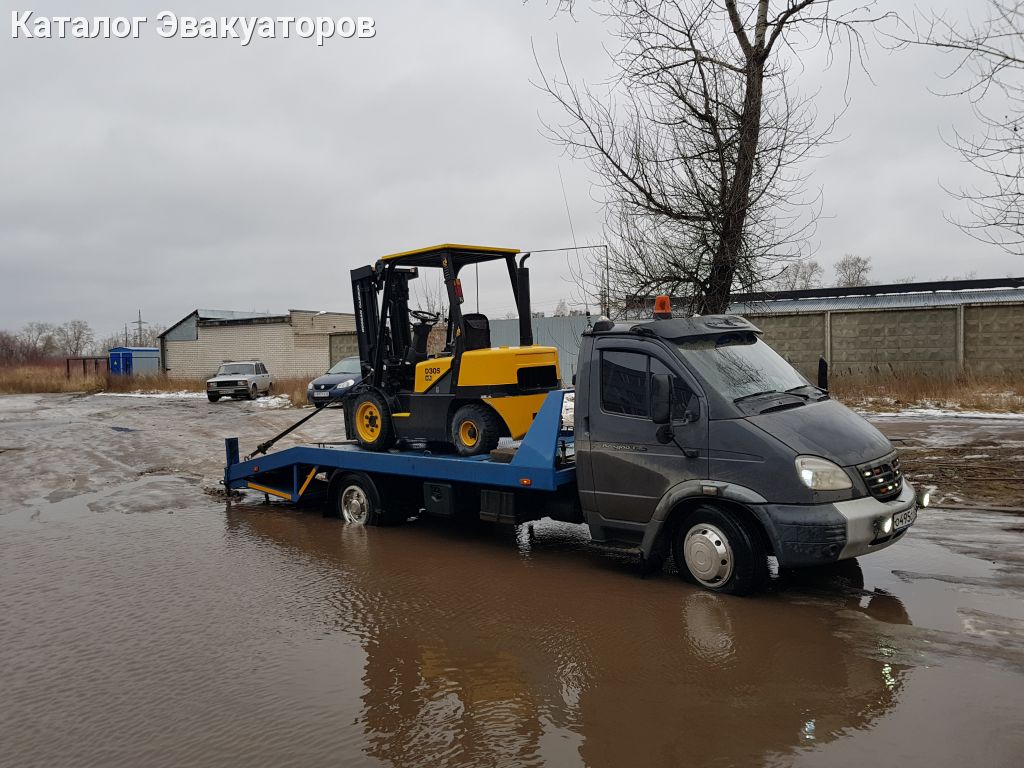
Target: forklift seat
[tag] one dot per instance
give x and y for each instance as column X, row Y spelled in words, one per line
column 478, row 331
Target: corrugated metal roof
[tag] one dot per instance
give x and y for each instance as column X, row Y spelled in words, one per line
column 230, row 314
column 884, row 301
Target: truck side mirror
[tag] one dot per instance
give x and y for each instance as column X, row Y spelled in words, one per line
column 661, row 398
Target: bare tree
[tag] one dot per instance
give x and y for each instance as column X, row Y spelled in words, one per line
column 430, row 296
column 73, row 337
column 799, row 276
column 38, row 339
column 852, row 270
column 698, row 138
column 561, row 309
column 13, row 348
column 991, row 53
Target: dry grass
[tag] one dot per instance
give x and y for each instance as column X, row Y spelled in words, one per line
column 294, row 389
column 876, row 393
column 47, row 378
column 53, row 378
column 966, row 392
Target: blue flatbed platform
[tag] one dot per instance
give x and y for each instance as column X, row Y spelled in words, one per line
column 542, row 462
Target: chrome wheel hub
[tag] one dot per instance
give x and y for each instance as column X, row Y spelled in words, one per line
column 708, row 555
column 355, row 507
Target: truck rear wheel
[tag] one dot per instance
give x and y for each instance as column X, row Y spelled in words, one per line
column 475, row 429
column 715, row 550
column 357, row 500
column 372, row 421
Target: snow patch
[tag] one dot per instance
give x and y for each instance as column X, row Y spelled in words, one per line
column 277, row 401
column 941, row 413
column 568, row 410
column 183, row 395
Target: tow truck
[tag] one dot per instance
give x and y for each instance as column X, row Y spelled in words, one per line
column 690, row 438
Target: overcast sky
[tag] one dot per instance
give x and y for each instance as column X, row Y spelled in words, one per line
column 169, row 174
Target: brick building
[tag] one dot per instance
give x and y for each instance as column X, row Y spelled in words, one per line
column 299, row 343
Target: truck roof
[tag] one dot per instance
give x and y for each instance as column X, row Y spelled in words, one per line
column 699, row 326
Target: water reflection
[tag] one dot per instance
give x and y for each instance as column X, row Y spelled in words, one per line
column 493, row 648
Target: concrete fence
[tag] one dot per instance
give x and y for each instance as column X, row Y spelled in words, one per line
column 934, row 341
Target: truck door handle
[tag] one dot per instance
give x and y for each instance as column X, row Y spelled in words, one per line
column 691, row 453
column 586, row 424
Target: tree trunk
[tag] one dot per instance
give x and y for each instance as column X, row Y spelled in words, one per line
column 734, row 214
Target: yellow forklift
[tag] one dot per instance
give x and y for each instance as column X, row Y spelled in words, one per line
column 467, row 395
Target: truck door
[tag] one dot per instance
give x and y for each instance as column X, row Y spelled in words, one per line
column 631, row 468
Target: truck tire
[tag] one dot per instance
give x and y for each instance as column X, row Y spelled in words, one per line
column 356, row 500
column 212, row 397
column 371, row 419
column 719, row 552
column 253, row 392
column 475, row 429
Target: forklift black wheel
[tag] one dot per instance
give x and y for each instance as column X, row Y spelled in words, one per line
column 717, row 551
column 356, row 499
column 475, row 429
column 372, row 422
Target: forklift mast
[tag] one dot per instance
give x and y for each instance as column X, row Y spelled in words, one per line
column 383, row 330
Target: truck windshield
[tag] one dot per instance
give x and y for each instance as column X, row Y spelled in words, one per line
column 740, row 364
column 236, row 369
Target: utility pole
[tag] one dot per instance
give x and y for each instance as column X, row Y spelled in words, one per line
column 138, row 336
column 126, row 334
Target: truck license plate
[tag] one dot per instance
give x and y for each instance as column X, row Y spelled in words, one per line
column 903, row 519
column 321, row 394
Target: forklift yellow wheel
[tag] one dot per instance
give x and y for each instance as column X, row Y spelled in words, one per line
column 372, row 422
column 368, row 421
column 476, row 429
column 469, row 433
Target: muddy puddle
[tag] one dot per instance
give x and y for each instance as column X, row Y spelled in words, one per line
column 143, row 621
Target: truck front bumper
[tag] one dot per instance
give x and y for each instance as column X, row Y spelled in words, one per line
column 818, row 534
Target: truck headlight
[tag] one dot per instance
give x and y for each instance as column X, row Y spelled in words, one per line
column 345, row 384
column 820, row 474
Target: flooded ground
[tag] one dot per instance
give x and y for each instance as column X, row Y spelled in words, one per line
column 145, row 621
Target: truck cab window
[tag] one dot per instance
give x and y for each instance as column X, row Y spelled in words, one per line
column 624, row 383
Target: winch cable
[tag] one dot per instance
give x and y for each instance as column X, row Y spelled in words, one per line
column 262, row 448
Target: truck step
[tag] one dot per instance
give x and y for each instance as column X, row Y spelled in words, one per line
column 624, row 547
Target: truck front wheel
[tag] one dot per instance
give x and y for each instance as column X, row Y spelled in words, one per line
column 719, row 552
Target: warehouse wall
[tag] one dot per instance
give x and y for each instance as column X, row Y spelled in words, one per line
column 284, row 351
column 927, row 340
column 994, row 339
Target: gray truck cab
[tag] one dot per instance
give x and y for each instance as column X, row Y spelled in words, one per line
column 694, row 437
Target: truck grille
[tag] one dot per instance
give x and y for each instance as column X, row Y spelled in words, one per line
column 228, row 383
column 884, row 478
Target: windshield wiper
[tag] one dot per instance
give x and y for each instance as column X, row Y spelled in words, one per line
column 792, row 391
column 741, row 398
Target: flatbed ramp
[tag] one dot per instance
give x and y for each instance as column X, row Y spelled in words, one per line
column 543, row 461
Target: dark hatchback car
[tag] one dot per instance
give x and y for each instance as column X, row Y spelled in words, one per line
column 336, row 383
